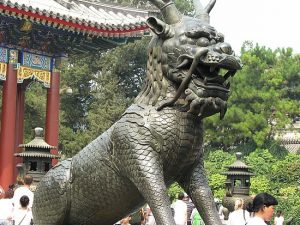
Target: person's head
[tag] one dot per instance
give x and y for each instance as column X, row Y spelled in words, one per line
column 9, row 193
column 126, row 220
column 20, row 180
column 278, row 214
column 263, row 206
column 181, row 196
column 28, row 180
column 24, row 201
column 239, row 203
column 186, row 197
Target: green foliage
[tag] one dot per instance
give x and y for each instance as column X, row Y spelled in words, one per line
column 287, row 171
column 128, row 63
column 96, row 104
column 35, row 109
column 289, row 204
column 278, row 176
column 265, row 96
column 260, row 184
column 215, row 164
column 217, row 160
column 217, row 184
column 261, row 161
column 174, row 190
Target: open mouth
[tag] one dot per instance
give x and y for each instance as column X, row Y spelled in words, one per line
column 211, row 77
column 208, row 89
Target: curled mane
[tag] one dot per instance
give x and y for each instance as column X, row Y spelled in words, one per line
column 156, row 85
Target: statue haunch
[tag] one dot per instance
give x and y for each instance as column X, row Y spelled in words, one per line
column 158, row 139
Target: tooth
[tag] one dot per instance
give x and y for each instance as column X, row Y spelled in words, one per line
column 227, row 75
column 230, row 73
column 205, row 81
column 223, row 110
column 183, row 63
column 228, row 85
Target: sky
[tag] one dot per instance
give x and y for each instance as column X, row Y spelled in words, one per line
column 270, row 23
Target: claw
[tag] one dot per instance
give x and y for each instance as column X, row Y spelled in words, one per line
column 223, row 110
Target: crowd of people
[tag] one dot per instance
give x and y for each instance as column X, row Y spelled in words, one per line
column 259, row 212
column 16, row 203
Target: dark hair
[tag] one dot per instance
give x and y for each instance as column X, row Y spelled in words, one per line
column 28, row 180
column 261, row 200
column 9, row 193
column 24, row 201
column 180, row 195
column 278, row 214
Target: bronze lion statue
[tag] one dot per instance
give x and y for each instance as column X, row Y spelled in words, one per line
column 158, row 140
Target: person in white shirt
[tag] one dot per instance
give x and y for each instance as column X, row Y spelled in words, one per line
column 278, row 220
column 239, row 216
column 24, row 190
column 6, row 208
column 263, row 209
column 23, row 214
column 150, row 220
column 180, row 210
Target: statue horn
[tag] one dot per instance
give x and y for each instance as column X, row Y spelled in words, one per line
column 168, row 9
column 203, row 13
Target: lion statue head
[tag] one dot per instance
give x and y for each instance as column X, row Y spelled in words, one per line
column 189, row 63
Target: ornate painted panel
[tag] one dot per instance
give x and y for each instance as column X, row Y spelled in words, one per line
column 42, row 76
column 36, row 61
column 3, row 55
column 3, row 69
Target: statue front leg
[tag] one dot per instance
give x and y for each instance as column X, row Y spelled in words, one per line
column 147, row 175
column 196, row 185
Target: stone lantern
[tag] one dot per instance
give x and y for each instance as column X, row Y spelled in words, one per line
column 36, row 157
column 237, row 184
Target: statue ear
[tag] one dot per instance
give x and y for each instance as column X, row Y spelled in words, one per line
column 160, row 28
column 156, row 25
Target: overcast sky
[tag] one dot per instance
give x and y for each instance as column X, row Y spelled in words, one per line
column 272, row 23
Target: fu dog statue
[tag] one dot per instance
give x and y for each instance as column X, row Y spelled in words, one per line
column 157, row 141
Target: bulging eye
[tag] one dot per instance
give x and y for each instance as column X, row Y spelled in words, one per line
column 226, row 48
column 203, row 42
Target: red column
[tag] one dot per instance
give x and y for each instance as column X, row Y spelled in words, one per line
column 19, row 122
column 8, row 121
column 52, row 114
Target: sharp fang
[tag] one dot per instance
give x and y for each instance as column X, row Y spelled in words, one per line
column 227, row 85
column 183, row 63
column 222, row 112
column 230, row 73
column 223, row 108
column 205, row 81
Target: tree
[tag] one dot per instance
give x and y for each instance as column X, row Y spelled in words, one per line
column 96, row 104
column 263, row 99
column 35, row 109
column 128, row 63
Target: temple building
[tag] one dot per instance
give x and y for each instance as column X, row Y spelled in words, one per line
column 35, row 36
column 289, row 137
column 36, row 157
